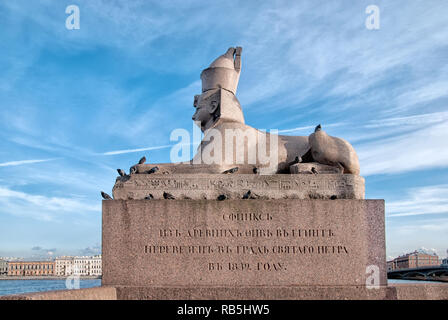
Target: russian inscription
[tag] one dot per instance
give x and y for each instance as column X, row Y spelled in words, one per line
column 270, row 253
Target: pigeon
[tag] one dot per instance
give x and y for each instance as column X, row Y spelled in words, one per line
column 121, row 172
column 313, row 170
column 318, row 128
column 250, row 195
column 247, row 195
column 233, row 170
column 333, row 197
column 168, row 196
column 133, row 170
column 106, row 196
column 296, row 160
column 221, row 197
column 142, row 160
column 152, row 170
column 149, row 197
column 255, row 170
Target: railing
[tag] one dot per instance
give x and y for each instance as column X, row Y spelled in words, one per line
column 431, row 273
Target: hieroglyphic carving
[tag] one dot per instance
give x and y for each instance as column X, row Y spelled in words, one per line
column 203, row 186
column 268, row 183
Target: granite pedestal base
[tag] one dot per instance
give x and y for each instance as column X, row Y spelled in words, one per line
column 243, row 243
column 417, row 291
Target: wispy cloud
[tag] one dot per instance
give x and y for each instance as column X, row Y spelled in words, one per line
column 405, row 235
column 43, row 252
column 90, row 251
column 421, row 149
column 42, row 207
column 414, row 121
column 426, row 94
column 21, row 162
column 420, row 201
column 309, row 129
column 298, row 129
column 112, row 153
column 308, row 54
column 389, row 127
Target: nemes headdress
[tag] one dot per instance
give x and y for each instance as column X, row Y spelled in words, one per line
column 224, row 72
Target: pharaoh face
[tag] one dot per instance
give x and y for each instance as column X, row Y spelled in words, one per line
column 206, row 106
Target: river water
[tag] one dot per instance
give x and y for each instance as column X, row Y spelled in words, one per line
column 25, row 286
column 392, row 281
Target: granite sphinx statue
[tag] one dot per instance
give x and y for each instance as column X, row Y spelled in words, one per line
column 230, row 143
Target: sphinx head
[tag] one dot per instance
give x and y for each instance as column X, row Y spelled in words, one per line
column 207, row 109
column 219, row 83
column 216, row 105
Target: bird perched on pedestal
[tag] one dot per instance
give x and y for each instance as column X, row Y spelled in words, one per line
column 232, row 170
column 221, row 197
column 152, row 170
column 106, row 196
column 142, row 160
column 121, row 172
column 250, row 195
column 149, row 197
column 133, row 169
column 313, row 170
column 168, row 196
column 296, row 160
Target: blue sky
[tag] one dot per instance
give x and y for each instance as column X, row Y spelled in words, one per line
column 70, row 99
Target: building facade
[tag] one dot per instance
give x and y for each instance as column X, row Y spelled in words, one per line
column 96, row 266
column 391, row 265
column 3, row 267
column 88, row 266
column 31, row 268
column 412, row 260
column 82, row 266
column 63, row 266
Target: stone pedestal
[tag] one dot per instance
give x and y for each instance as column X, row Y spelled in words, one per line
column 236, row 243
column 420, row 291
